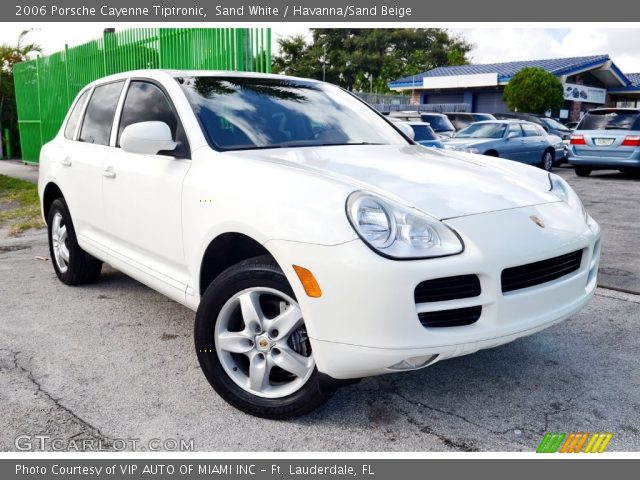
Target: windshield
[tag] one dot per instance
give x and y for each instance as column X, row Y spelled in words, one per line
column 552, row 124
column 610, row 120
column 241, row 113
column 423, row 132
column 438, row 123
column 482, row 130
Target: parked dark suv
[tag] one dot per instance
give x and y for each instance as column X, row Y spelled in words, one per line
column 462, row 120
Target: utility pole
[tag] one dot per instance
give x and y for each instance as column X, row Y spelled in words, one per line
column 324, row 56
column 324, row 61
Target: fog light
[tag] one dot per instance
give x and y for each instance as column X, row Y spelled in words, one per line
column 414, row 362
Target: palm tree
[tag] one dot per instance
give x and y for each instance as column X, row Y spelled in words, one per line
column 9, row 56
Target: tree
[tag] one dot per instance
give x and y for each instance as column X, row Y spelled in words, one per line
column 533, row 90
column 9, row 56
column 361, row 58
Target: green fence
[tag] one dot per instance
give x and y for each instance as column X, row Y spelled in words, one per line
column 45, row 87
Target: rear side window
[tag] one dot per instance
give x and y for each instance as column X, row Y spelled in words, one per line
column 98, row 119
column 530, row 130
column 611, row 120
column 72, row 123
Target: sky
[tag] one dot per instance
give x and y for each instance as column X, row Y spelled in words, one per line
column 490, row 44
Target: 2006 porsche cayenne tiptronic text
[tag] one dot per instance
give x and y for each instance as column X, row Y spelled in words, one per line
column 316, row 242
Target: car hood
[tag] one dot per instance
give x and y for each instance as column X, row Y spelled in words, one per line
column 440, row 183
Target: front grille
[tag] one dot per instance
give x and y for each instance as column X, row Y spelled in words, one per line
column 523, row 276
column 448, row 288
column 451, row 318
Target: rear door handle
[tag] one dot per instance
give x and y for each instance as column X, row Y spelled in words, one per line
column 66, row 162
column 109, row 173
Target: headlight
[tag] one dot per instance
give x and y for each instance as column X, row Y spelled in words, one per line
column 398, row 231
column 561, row 189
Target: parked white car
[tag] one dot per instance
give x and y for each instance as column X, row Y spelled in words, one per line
column 317, row 243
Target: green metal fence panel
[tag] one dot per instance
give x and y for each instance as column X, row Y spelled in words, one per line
column 45, row 87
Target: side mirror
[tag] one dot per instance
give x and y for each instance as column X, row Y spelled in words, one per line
column 406, row 129
column 147, row 138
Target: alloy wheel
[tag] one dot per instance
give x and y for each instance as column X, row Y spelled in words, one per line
column 262, row 343
column 60, row 242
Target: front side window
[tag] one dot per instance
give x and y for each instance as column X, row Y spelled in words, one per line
column 241, row 113
column 145, row 102
column 98, row 118
column 72, row 123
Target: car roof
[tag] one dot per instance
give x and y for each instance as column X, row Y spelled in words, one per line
column 615, row 109
column 168, row 74
column 505, row 121
column 465, row 113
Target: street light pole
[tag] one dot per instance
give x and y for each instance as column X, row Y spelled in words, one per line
column 324, row 61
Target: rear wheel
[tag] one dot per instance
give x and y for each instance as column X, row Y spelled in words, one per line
column 583, row 171
column 252, row 343
column 547, row 161
column 72, row 265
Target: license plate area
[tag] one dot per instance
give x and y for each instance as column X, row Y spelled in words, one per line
column 603, row 142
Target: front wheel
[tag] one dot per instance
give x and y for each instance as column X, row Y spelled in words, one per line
column 547, row 161
column 252, row 343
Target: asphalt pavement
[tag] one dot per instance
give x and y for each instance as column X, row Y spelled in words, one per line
column 114, row 362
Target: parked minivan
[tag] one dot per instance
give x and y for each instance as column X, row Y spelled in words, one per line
column 606, row 138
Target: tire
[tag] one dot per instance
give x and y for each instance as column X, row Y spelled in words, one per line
column 546, row 163
column 259, row 285
column 72, row 265
column 491, row 153
column 583, row 171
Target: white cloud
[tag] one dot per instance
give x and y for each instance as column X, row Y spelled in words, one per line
column 491, row 44
column 52, row 36
column 509, row 44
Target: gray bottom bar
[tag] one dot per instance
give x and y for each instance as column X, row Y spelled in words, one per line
column 376, row 469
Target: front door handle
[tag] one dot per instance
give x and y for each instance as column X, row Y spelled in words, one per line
column 66, row 162
column 109, row 173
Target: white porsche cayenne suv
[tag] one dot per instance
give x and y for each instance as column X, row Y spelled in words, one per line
column 315, row 241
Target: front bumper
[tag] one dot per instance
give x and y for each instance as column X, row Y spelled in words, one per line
column 366, row 320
